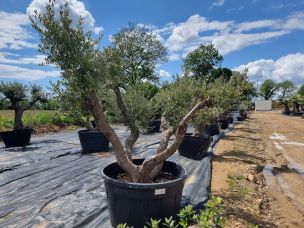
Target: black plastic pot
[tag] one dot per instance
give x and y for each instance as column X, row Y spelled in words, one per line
column 292, row 113
column 231, row 119
column 212, row 129
column 224, row 123
column 135, row 203
column 194, row 147
column 17, row 138
column 287, row 113
column 93, row 141
column 154, row 126
column 240, row 118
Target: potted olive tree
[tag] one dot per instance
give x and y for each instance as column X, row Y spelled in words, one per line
column 72, row 103
column 132, row 58
column 21, row 98
column 200, row 65
column 287, row 90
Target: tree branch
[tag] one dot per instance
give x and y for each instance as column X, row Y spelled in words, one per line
column 122, row 158
column 132, row 138
column 155, row 160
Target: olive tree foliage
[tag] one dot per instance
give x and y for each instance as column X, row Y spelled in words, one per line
column 268, row 89
column 224, row 73
column 286, row 89
column 242, row 85
column 119, row 69
column 200, row 62
column 21, row 98
column 297, row 99
column 133, row 55
column 70, row 48
column 301, row 97
column 301, row 91
column 175, row 100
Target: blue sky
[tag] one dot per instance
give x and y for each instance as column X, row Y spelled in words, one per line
column 265, row 36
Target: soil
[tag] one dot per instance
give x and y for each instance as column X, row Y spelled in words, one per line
column 161, row 178
column 258, row 170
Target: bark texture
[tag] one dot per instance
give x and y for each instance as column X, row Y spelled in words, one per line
column 149, row 164
column 150, row 168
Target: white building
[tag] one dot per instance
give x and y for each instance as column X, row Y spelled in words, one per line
column 263, row 105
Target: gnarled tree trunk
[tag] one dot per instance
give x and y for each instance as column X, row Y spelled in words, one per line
column 286, row 107
column 18, row 118
column 144, row 173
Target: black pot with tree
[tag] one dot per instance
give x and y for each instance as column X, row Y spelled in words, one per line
column 72, row 104
column 119, row 71
column 21, row 99
column 286, row 91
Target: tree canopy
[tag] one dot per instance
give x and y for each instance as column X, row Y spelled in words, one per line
column 268, row 89
column 286, row 89
column 200, row 62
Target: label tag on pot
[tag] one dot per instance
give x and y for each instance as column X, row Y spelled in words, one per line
column 160, row 191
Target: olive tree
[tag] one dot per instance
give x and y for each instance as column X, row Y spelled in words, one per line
column 224, row 73
column 287, row 90
column 21, row 98
column 301, row 96
column 200, row 62
column 268, row 89
column 118, row 69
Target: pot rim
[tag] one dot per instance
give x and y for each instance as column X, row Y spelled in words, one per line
column 182, row 177
column 88, row 131
column 18, row 130
column 195, row 137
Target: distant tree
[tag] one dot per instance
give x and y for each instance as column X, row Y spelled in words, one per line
column 241, row 82
column 300, row 94
column 21, row 98
column 268, row 89
column 301, row 91
column 224, row 73
column 200, row 62
column 287, row 90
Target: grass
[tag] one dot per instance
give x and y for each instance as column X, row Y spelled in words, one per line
column 237, row 186
column 36, row 119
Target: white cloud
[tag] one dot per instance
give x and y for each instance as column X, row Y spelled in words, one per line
column 289, row 67
column 188, row 32
column 21, row 73
column 227, row 43
column 247, row 26
column 163, row 74
column 294, row 21
column 13, row 32
column 5, row 59
column 227, row 36
column 217, row 3
column 174, row 57
column 77, row 9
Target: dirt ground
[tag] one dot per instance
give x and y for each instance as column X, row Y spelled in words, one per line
column 258, row 170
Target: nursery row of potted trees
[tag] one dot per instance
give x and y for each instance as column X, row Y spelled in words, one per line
column 116, row 83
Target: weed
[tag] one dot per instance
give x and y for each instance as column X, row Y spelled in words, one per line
column 236, row 187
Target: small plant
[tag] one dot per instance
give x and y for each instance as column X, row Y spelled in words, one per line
column 123, row 226
column 170, row 223
column 186, row 216
column 212, row 216
column 235, row 186
column 154, row 223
